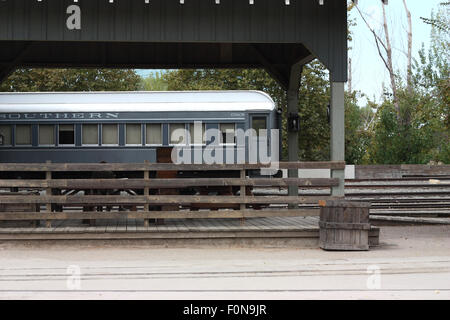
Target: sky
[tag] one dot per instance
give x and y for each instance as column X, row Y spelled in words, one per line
column 368, row 71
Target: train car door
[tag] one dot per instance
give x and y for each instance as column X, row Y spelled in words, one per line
column 259, row 123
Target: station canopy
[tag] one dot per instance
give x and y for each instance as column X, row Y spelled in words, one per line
column 167, row 34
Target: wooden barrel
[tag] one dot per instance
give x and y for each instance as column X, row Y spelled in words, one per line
column 344, row 225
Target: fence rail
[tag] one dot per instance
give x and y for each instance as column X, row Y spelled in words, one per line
column 166, row 183
column 90, row 196
column 64, row 167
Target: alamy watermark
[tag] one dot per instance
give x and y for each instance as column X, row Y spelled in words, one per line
column 374, row 279
column 73, row 22
column 73, row 281
column 214, row 146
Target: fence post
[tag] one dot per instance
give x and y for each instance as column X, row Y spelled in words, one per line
column 243, row 194
column 337, row 117
column 48, row 192
column 146, row 193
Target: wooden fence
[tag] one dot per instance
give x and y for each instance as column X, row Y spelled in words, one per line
column 62, row 198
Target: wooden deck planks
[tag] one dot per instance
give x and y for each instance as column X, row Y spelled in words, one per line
column 183, row 230
column 206, row 226
column 176, row 225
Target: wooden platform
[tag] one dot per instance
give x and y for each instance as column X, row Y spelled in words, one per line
column 298, row 231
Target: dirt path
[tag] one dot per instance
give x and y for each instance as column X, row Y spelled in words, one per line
column 411, row 263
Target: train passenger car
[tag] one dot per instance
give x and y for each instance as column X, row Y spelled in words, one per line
column 121, row 127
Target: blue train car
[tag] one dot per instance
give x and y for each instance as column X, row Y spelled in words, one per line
column 124, row 127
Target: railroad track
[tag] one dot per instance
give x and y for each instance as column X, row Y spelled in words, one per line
column 406, row 200
column 421, row 200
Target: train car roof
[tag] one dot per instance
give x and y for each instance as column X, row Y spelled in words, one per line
column 140, row 101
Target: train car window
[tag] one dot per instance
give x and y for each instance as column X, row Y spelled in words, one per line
column 133, row 134
column 66, row 134
column 199, row 139
column 5, row 135
column 177, row 133
column 154, row 134
column 46, row 134
column 228, row 133
column 260, row 125
column 110, row 134
column 90, row 134
column 23, row 135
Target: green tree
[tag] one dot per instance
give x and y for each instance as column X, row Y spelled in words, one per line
column 357, row 135
column 394, row 142
column 314, row 98
column 440, row 21
column 155, row 82
column 423, row 133
column 432, row 83
column 27, row 80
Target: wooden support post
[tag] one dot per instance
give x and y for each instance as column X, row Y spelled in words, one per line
column 36, row 223
column 292, row 108
column 92, row 222
column 146, row 193
column 87, row 192
column 337, row 117
column 164, row 155
column 48, row 192
column 243, row 195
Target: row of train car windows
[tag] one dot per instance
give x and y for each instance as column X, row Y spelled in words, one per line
column 109, row 134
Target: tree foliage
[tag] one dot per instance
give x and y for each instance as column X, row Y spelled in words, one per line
column 29, row 80
column 424, row 134
column 440, row 21
column 154, row 82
